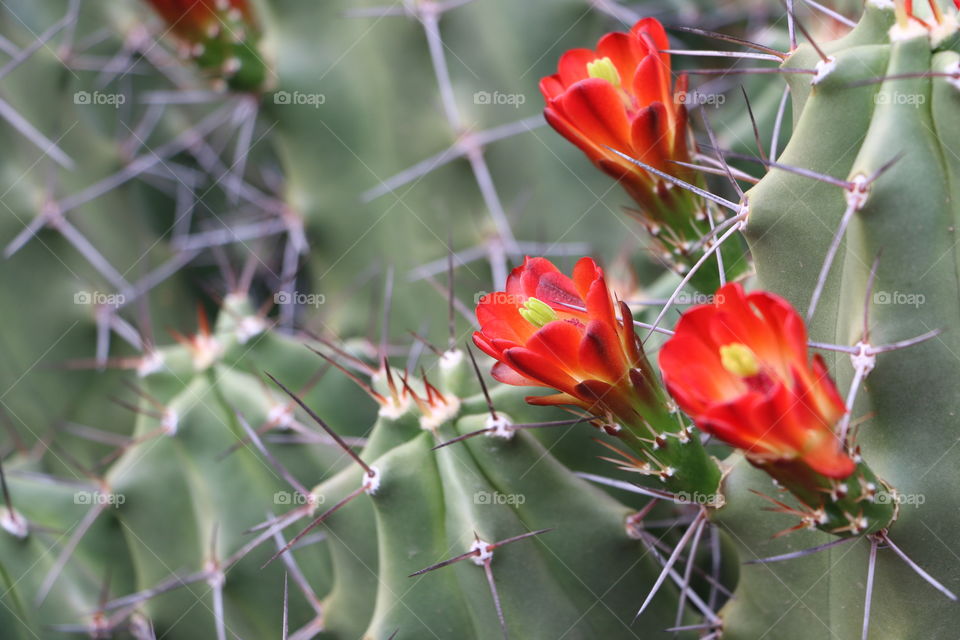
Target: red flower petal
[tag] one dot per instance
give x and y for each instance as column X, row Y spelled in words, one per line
column 551, row 86
column 599, row 305
column 498, row 315
column 596, row 116
column 825, row 456
column 680, row 127
column 651, row 137
column 829, row 400
column 569, row 131
column 503, row 373
column 559, row 342
column 556, row 288
column 691, row 367
column 584, row 273
column 739, row 321
column 726, row 422
column 536, row 367
column 653, row 29
column 695, row 377
column 651, row 81
column 484, row 345
column 623, row 50
column 598, row 111
column 601, row 355
column 598, row 396
column 554, row 399
column 631, row 345
column 530, row 273
column 573, row 65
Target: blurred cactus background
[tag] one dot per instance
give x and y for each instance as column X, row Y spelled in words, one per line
column 242, row 247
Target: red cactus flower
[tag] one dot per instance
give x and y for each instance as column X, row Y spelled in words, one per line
column 620, row 96
column 739, row 368
column 194, row 19
column 549, row 330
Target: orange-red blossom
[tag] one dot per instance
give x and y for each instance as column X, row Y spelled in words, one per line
column 739, row 367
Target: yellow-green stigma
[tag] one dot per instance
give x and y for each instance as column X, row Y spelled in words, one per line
column 537, row 312
column 739, row 360
column 604, row 69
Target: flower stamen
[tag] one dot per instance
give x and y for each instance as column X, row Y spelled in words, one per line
column 604, row 69
column 537, row 312
column 738, row 359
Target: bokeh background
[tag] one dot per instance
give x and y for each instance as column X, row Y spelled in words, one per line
column 124, row 173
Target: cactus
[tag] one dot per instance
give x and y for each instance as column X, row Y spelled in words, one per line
column 170, row 511
column 262, row 476
column 850, row 125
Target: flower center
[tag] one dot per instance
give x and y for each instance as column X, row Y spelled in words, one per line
column 738, row 359
column 604, row 69
column 537, row 312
